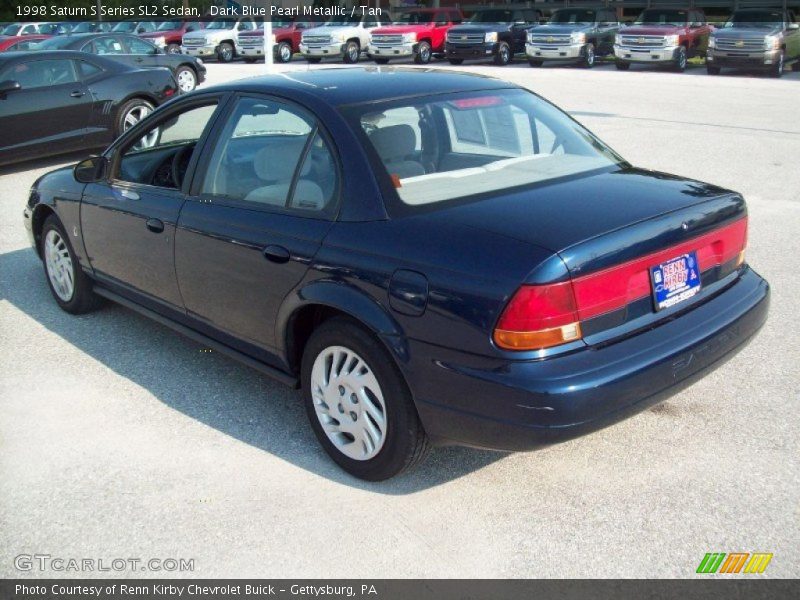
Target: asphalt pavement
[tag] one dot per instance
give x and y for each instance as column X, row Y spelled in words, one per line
column 122, row 439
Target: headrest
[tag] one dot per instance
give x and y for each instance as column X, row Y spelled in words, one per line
column 395, row 141
column 278, row 164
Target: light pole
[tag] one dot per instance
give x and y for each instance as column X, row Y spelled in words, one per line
column 269, row 59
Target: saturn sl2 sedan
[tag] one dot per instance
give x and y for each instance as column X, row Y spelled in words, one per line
column 434, row 258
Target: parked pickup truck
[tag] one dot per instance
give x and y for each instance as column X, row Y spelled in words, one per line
column 573, row 34
column 496, row 33
column 217, row 39
column 759, row 38
column 341, row 37
column 287, row 36
column 169, row 34
column 420, row 33
column 663, row 36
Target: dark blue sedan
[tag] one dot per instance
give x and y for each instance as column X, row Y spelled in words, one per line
column 434, row 258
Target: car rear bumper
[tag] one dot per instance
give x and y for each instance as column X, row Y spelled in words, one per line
column 522, row 405
column 646, row 55
column 741, row 60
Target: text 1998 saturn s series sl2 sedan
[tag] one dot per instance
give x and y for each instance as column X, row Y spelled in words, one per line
column 432, row 257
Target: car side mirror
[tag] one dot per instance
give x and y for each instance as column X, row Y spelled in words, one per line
column 91, row 170
column 7, row 86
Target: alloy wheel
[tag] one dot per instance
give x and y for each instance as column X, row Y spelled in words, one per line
column 590, row 56
column 348, row 401
column 60, row 269
column 285, row 52
column 136, row 113
column 186, row 81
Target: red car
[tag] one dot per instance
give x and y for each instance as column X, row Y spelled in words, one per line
column 20, row 42
column 250, row 45
column 666, row 36
column 169, row 34
column 419, row 32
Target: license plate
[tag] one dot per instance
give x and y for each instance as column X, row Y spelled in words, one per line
column 676, row 280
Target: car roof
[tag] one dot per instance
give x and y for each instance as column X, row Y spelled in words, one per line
column 356, row 85
column 6, row 57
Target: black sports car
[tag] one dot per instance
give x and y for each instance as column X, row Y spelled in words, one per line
column 134, row 51
column 56, row 102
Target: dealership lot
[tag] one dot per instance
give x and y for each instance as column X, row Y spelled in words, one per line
column 120, row 438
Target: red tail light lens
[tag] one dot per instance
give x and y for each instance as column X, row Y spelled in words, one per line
column 539, row 316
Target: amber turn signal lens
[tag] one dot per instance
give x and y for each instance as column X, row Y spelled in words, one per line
column 537, row 340
column 740, row 259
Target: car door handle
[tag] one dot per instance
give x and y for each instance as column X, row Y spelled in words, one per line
column 276, row 254
column 78, row 94
column 139, row 59
column 155, row 225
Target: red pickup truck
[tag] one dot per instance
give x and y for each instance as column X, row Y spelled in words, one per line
column 419, row 32
column 250, row 45
column 169, row 34
column 668, row 36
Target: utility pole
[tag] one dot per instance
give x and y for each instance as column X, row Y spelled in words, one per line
column 269, row 59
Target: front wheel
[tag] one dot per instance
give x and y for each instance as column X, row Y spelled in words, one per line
column 777, row 68
column 424, row 53
column 681, row 60
column 284, row 52
column 70, row 286
column 358, row 403
column 186, row 78
column 589, row 56
column 225, row 52
column 503, row 56
column 455, row 61
column 131, row 113
column 351, row 52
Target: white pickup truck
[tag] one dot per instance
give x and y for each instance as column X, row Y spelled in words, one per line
column 341, row 37
column 218, row 39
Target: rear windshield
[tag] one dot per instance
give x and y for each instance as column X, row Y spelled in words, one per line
column 440, row 148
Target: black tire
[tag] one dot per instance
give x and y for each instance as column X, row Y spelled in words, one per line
column 173, row 49
column 352, row 51
column 133, row 103
column 83, row 299
column 681, row 60
column 503, row 56
column 535, row 63
column 713, row 70
column 455, row 61
column 381, row 61
column 283, row 52
column 313, row 59
column 405, row 442
column 777, row 69
column 424, row 53
column 589, row 57
column 225, row 52
column 622, row 65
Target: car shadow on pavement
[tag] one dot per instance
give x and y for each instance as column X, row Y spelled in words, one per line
column 213, row 389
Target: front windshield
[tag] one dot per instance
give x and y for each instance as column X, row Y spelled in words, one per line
column 766, row 18
column 573, row 16
column 169, row 26
column 12, row 29
column 125, row 26
column 440, row 148
column 339, row 22
column 222, row 24
column 85, row 27
column 492, row 16
column 663, row 17
column 415, row 17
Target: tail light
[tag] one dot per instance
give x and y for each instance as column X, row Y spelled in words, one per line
column 539, row 316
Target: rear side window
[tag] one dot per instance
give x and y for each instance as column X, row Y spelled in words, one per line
column 88, row 70
column 271, row 154
column 41, row 73
column 137, row 46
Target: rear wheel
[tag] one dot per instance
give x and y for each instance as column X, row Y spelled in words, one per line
column 351, row 52
column 284, row 52
column 225, row 52
column 424, row 53
column 681, row 60
column 358, row 403
column 70, row 286
column 131, row 113
column 503, row 55
column 713, row 70
column 589, row 57
column 622, row 65
column 455, row 61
